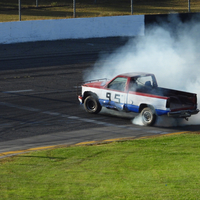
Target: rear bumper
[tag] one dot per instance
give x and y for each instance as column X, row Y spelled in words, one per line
column 183, row 113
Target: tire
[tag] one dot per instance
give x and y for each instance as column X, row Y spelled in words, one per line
column 148, row 116
column 92, row 105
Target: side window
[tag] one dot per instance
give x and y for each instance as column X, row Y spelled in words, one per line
column 133, row 84
column 141, row 84
column 118, row 83
column 145, row 81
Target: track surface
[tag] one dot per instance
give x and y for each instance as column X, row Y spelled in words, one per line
column 38, row 100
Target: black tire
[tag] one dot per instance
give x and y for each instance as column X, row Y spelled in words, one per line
column 92, row 105
column 148, row 116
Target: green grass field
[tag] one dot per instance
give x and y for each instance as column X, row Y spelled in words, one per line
column 60, row 9
column 166, row 167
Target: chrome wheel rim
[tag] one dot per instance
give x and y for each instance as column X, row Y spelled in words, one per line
column 147, row 116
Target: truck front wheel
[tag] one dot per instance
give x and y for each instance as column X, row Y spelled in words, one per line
column 92, row 105
column 148, row 116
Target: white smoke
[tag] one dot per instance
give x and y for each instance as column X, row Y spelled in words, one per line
column 170, row 51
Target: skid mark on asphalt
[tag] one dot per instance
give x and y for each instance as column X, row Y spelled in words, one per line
column 55, row 114
column 19, row 107
column 6, row 125
column 17, row 91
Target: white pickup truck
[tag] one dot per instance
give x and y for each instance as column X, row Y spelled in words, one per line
column 139, row 93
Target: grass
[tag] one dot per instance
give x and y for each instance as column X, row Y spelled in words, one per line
column 60, row 9
column 157, row 168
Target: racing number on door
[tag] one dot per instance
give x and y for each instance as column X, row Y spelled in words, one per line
column 108, row 95
column 117, row 97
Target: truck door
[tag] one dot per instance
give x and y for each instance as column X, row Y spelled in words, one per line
column 132, row 97
column 115, row 93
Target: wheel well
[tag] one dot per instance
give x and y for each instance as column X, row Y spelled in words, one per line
column 142, row 106
column 86, row 94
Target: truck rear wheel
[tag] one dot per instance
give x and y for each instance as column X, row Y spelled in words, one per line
column 92, row 105
column 148, row 116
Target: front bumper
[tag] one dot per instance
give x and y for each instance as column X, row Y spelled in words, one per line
column 80, row 98
column 183, row 113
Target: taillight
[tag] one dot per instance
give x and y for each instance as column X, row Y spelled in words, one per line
column 168, row 103
column 193, row 99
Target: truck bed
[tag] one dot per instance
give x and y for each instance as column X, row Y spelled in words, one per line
column 178, row 100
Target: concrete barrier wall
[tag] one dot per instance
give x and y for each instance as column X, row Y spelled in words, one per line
column 40, row 30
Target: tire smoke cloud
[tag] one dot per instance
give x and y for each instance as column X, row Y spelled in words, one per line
column 171, row 51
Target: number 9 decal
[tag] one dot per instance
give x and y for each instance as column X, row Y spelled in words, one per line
column 108, row 95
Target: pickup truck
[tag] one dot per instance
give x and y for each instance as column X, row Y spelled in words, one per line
column 138, row 93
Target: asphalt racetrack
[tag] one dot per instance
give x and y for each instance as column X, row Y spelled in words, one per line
column 38, row 100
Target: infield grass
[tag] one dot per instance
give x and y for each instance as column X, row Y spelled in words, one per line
column 162, row 168
column 60, row 9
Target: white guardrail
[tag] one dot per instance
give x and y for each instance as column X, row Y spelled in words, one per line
column 76, row 28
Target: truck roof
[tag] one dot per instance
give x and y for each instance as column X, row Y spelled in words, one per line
column 132, row 74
